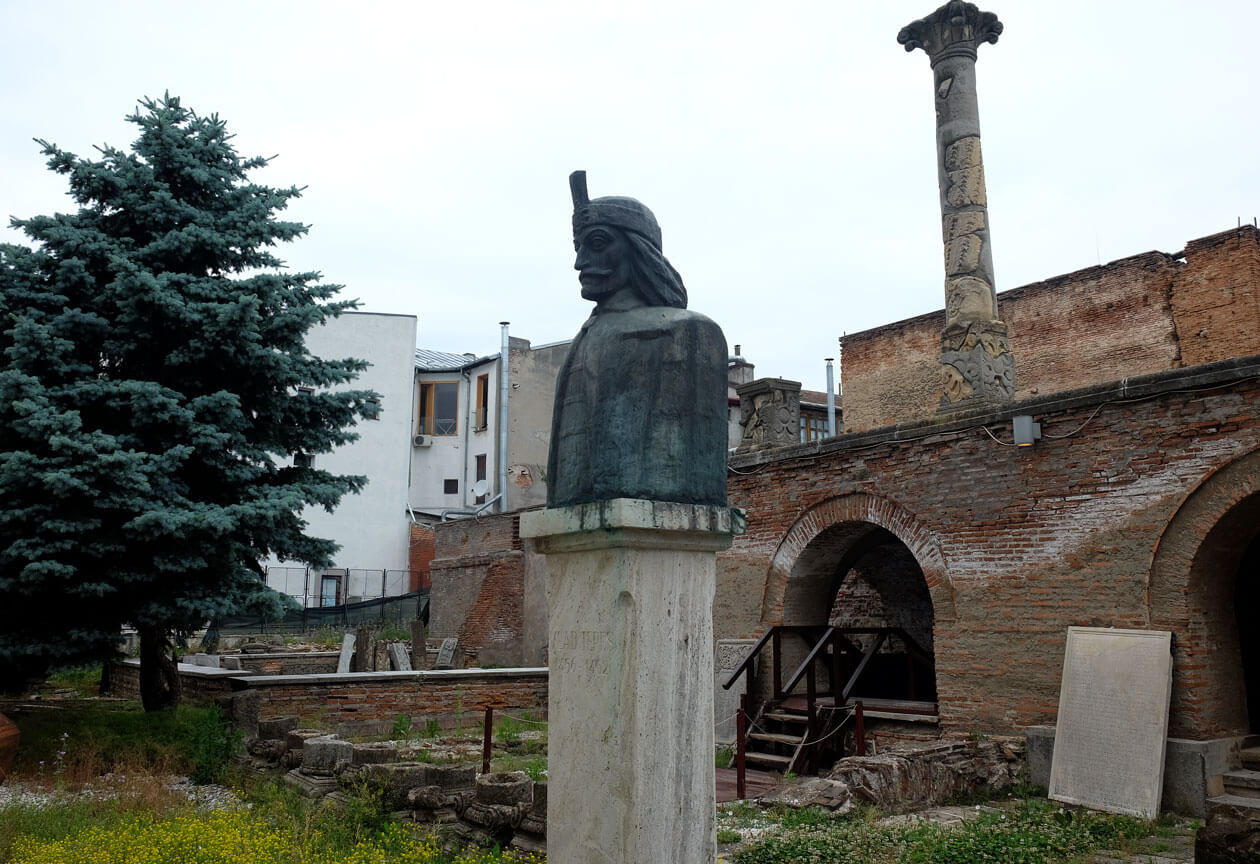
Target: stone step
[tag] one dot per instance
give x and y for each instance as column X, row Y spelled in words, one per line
column 1242, row 781
column 768, row 759
column 777, row 738
column 1250, row 757
column 782, row 717
column 1236, row 801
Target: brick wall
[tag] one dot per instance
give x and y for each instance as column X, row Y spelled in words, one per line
column 200, row 685
column 1136, row 316
column 478, row 588
column 1017, row 544
column 1216, row 297
column 364, row 703
column 420, row 556
column 370, row 702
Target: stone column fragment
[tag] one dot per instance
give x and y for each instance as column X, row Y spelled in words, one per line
column 977, row 367
column 769, row 413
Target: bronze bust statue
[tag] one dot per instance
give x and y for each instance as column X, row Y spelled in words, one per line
column 640, row 408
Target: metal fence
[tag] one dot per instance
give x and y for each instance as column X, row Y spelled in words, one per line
column 338, row 586
column 397, row 611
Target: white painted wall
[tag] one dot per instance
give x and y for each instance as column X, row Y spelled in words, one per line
column 453, row 457
column 372, row 527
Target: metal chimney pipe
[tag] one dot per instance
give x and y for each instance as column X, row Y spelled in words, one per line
column 831, row 399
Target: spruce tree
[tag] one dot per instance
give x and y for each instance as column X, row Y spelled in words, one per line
column 154, row 389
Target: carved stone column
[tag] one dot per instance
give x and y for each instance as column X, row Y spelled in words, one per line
column 977, row 368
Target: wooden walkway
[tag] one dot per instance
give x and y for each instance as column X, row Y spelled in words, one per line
column 755, row 783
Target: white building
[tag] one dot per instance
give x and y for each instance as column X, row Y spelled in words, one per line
column 470, row 453
column 372, row 527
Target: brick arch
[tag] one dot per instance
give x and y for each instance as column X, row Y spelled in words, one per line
column 1189, row 593
column 854, row 508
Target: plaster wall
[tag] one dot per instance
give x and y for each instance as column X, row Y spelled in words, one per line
column 371, row 527
column 532, row 391
column 454, row 457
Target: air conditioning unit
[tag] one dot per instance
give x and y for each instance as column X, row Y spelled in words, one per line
column 422, row 441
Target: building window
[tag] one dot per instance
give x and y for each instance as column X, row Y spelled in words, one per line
column 481, row 475
column 329, row 588
column 303, row 460
column 439, row 408
column 483, row 399
column 372, row 409
column 450, row 487
column 813, row 427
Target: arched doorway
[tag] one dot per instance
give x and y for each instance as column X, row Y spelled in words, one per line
column 879, row 585
column 1246, row 606
column 1205, row 587
column 861, row 561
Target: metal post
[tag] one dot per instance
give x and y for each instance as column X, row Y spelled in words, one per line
column 831, row 399
column 778, row 670
column 860, row 722
column 741, row 728
column 485, row 741
column 504, row 391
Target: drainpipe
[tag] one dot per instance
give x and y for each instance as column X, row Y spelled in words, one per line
column 503, row 419
column 831, row 399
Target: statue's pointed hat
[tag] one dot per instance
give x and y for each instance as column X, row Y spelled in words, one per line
column 624, row 213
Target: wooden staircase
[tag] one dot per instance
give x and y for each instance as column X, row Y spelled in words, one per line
column 776, row 737
column 797, row 732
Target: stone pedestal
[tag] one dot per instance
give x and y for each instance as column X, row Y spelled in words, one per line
column 630, row 711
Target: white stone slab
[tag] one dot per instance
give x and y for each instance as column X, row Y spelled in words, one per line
column 726, row 659
column 347, row 651
column 1113, row 720
column 399, row 657
column 446, row 654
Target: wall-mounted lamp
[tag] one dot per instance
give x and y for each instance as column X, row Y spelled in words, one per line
column 1026, row 430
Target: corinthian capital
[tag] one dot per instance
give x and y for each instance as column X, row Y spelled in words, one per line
column 955, row 28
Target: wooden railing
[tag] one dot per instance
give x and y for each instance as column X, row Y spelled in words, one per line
column 843, row 652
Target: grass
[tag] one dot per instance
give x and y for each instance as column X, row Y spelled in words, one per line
column 78, row 744
column 280, row 827
column 147, row 823
column 84, row 680
column 1033, row 832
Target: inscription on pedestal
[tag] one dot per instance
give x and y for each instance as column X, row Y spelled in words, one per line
column 583, row 652
column 1113, row 720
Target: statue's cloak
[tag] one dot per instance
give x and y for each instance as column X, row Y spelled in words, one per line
column 641, row 410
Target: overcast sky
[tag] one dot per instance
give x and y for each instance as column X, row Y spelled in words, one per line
column 788, row 150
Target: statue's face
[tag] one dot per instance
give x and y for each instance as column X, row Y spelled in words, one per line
column 603, row 262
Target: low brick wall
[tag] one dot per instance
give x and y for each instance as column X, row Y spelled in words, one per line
column 370, row 702
column 291, row 663
column 200, row 684
column 362, row 703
